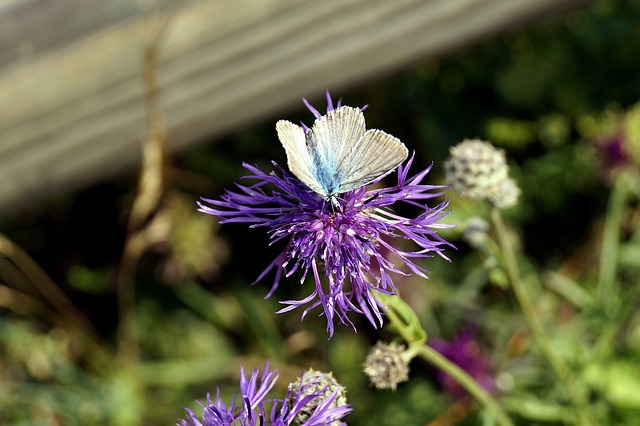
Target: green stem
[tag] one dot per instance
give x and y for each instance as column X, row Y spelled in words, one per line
column 524, row 301
column 400, row 326
column 483, row 397
column 417, row 347
column 625, row 187
column 539, row 335
column 607, row 289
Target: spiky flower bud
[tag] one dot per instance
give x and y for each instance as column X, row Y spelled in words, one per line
column 479, row 171
column 315, row 389
column 385, row 366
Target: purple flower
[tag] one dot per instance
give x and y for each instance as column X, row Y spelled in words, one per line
column 253, row 410
column 466, row 353
column 344, row 241
column 613, row 154
column 253, row 393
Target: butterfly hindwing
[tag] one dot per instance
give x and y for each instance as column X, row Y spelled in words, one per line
column 375, row 154
column 338, row 131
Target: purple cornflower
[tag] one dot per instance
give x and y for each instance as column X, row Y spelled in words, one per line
column 466, row 353
column 344, row 240
column 253, row 410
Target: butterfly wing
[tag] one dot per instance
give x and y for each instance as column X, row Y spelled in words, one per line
column 331, row 143
column 337, row 155
column 299, row 158
column 374, row 155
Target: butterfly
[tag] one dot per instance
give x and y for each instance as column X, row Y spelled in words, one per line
column 337, row 154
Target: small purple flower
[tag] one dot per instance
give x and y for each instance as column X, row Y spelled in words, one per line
column 253, row 392
column 253, row 410
column 613, row 154
column 466, row 353
column 344, row 241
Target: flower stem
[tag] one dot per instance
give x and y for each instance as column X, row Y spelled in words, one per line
column 459, row 375
column 404, row 321
column 524, row 301
column 607, row 290
column 539, row 335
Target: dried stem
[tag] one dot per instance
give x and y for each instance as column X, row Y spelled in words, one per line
column 147, row 200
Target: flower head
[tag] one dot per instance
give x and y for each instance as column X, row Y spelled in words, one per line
column 387, row 366
column 478, row 171
column 344, row 240
column 253, row 392
column 306, row 404
column 607, row 132
column 616, row 136
column 316, row 392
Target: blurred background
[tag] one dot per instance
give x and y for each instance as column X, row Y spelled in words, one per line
column 121, row 304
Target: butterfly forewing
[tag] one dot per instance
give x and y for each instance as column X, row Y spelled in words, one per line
column 335, row 135
column 299, row 158
column 375, row 154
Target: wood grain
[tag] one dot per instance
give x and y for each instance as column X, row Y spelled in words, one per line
column 72, row 107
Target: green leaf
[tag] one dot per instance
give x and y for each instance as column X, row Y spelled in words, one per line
column 618, row 381
column 535, row 409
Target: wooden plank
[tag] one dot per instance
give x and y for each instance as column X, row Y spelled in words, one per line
column 72, row 107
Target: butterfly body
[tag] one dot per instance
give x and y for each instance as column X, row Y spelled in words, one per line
column 338, row 154
column 325, row 171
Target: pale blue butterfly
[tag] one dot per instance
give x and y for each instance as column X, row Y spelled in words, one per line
column 338, row 154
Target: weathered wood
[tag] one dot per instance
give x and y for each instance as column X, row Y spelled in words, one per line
column 72, row 105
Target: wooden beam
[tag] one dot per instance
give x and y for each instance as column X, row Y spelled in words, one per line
column 72, row 107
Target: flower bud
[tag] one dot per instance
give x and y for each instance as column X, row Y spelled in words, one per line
column 479, row 171
column 385, row 366
column 322, row 387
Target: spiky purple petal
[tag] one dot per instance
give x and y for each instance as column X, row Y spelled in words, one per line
column 253, row 411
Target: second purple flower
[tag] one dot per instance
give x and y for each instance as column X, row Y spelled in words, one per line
column 343, row 238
